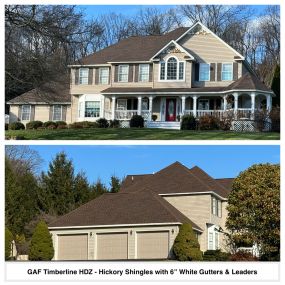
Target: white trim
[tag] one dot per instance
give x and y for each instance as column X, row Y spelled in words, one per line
column 177, row 70
column 100, row 77
column 60, row 112
column 194, row 193
column 80, row 77
column 127, row 73
column 38, row 103
column 209, row 31
column 177, row 45
column 128, row 62
column 30, row 113
column 88, row 65
column 208, row 64
column 140, row 72
column 232, row 64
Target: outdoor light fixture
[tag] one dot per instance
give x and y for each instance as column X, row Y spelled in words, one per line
column 131, row 232
column 91, row 234
column 172, row 231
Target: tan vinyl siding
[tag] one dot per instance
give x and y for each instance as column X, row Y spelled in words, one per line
column 14, row 111
column 68, row 115
column 74, row 109
column 42, row 113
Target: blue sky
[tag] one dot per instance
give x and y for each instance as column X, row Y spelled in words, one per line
column 103, row 161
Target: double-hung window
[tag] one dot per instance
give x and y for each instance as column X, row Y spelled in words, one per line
column 216, row 207
column 57, row 113
column 123, row 73
column 204, row 72
column 104, row 75
column 172, row 69
column 26, row 112
column 227, row 71
column 83, row 75
column 144, row 72
column 92, row 109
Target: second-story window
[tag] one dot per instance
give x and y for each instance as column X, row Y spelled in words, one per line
column 144, row 72
column 83, row 75
column 162, row 70
column 216, row 207
column 123, row 73
column 204, row 72
column 172, row 70
column 104, row 75
column 227, row 71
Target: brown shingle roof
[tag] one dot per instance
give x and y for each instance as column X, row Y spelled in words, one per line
column 50, row 92
column 226, row 182
column 140, row 48
column 142, row 207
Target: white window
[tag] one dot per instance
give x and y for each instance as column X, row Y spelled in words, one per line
column 83, row 75
column 213, row 237
column 214, row 205
column 122, row 104
column 162, row 71
column 172, row 70
column 219, row 208
column 181, row 70
column 204, row 72
column 57, row 113
column 26, row 112
column 92, row 109
column 104, row 75
column 227, row 71
column 211, row 241
column 144, row 72
column 203, row 104
column 123, row 73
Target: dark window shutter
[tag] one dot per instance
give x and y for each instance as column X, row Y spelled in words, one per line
column 219, row 71
column 235, row 71
column 130, row 73
column 150, row 72
column 32, row 117
column 116, row 73
column 136, row 66
column 96, row 76
column 20, row 113
column 50, row 112
column 197, row 66
column 212, row 72
column 90, row 76
column 63, row 117
column 76, row 76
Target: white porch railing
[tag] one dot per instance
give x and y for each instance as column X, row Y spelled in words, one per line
column 125, row 114
column 241, row 113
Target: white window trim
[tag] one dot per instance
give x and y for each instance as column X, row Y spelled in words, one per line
column 100, row 77
column 199, row 100
column 99, row 109
column 128, row 67
column 214, row 205
column 140, row 65
column 60, row 112
column 213, row 230
column 177, row 71
column 232, row 64
column 29, row 112
column 84, row 68
column 125, row 102
column 204, row 63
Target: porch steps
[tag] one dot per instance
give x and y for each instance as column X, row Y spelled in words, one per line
column 163, row 125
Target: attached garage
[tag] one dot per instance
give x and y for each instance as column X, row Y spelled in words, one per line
column 112, row 246
column 73, row 247
column 152, row 245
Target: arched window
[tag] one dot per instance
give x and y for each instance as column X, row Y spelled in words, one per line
column 171, row 69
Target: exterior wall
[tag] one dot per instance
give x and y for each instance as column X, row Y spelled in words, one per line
column 42, row 113
column 13, row 114
column 132, row 249
column 74, row 109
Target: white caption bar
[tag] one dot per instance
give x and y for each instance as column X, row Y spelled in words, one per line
column 142, row 271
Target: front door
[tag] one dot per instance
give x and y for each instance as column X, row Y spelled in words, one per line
column 170, row 109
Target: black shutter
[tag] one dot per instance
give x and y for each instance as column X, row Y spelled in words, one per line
column 197, row 66
column 90, row 76
column 219, row 71
column 150, row 72
column 96, row 75
column 235, row 71
column 212, row 72
column 116, row 73
column 136, row 66
column 130, row 79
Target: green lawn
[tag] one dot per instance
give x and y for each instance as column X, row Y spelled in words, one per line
column 135, row 134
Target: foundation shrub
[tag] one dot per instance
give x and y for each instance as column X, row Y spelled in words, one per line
column 208, row 122
column 114, row 124
column 137, row 121
column 188, row 122
column 215, row 255
column 33, row 125
column 102, row 123
column 243, row 255
column 16, row 126
column 50, row 123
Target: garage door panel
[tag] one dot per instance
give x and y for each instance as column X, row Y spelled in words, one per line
column 112, row 246
column 152, row 245
column 73, row 247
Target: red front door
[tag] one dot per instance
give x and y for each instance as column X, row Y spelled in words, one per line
column 170, row 109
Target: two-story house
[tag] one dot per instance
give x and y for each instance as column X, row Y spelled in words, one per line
column 143, row 219
column 186, row 71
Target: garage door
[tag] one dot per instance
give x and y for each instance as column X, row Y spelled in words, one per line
column 152, row 245
column 112, row 246
column 73, row 247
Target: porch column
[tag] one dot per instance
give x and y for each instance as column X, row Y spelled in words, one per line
column 113, row 107
column 268, row 102
column 150, row 108
column 235, row 94
column 139, row 105
column 183, row 102
column 252, row 95
column 195, row 105
column 225, row 102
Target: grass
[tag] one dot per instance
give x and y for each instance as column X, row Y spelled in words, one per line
column 136, row 134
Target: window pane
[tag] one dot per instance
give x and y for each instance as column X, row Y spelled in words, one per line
column 104, row 75
column 172, row 69
column 143, row 72
column 92, row 109
column 123, row 73
column 211, row 245
column 26, row 112
column 227, row 72
column 162, row 70
column 181, row 70
column 204, row 72
column 57, row 113
column 213, row 206
column 83, row 75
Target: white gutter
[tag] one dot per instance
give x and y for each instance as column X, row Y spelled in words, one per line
column 194, row 193
column 38, row 103
column 88, row 65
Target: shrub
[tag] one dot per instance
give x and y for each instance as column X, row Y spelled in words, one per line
column 8, row 243
column 61, row 127
column 137, row 121
column 186, row 246
column 154, row 117
column 215, row 255
column 51, row 127
column 243, row 255
column 114, row 123
column 33, row 125
column 76, row 125
column 16, row 126
column 6, row 127
column 102, row 123
column 41, row 247
column 208, row 122
column 188, row 123
column 50, row 123
column 274, row 115
column 225, row 121
column 61, row 123
column 83, row 125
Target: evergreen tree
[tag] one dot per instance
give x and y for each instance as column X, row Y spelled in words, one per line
column 82, row 190
column 8, row 243
column 98, row 189
column 115, row 184
column 57, row 186
column 41, row 247
column 186, row 246
column 275, row 86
